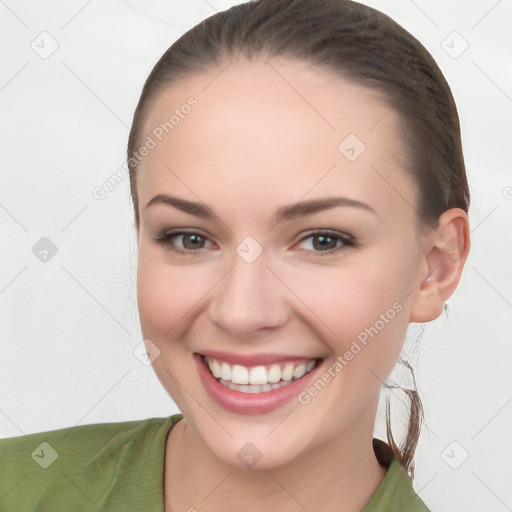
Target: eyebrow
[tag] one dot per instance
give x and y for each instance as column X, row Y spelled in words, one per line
column 293, row 211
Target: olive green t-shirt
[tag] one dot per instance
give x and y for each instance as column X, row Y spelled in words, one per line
column 120, row 467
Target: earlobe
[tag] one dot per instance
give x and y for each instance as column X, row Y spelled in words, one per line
column 445, row 255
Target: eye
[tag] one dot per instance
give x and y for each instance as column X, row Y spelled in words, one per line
column 192, row 241
column 323, row 243
column 326, row 243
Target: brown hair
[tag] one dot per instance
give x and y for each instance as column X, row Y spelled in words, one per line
column 357, row 43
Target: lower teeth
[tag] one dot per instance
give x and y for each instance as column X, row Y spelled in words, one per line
column 252, row 388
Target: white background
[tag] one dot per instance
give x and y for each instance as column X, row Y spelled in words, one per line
column 69, row 326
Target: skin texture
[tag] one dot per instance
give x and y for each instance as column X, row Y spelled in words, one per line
column 264, row 135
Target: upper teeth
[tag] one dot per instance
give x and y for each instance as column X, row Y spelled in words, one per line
column 258, row 375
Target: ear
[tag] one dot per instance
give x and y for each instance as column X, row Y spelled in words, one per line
column 445, row 253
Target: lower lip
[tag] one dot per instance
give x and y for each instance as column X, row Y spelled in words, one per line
column 250, row 404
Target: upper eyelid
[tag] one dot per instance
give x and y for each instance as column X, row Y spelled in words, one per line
column 197, row 231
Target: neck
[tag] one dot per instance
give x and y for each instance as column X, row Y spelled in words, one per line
column 340, row 475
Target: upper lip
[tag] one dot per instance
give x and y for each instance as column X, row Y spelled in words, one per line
column 252, row 359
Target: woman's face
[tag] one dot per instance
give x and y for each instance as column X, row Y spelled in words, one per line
column 258, row 289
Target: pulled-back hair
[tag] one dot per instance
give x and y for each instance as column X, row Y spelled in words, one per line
column 357, row 43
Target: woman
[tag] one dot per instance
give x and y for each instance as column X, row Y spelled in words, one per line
column 300, row 197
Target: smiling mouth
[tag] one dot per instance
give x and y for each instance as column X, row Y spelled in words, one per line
column 261, row 378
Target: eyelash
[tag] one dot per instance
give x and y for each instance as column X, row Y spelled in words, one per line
column 346, row 239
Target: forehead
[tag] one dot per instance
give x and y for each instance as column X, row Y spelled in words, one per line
column 278, row 130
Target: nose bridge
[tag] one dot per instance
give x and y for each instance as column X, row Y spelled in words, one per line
column 248, row 297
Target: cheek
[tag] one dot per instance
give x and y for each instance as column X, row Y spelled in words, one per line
column 361, row 308
column 165, row 295
column 363, row 313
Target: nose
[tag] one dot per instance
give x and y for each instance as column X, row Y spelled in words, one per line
column 249, row 299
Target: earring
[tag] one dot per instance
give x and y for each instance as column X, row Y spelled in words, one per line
column 446, row 308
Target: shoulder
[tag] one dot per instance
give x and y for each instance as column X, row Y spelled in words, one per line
column 65, row 446
column 396, row 492
column 81, row 465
